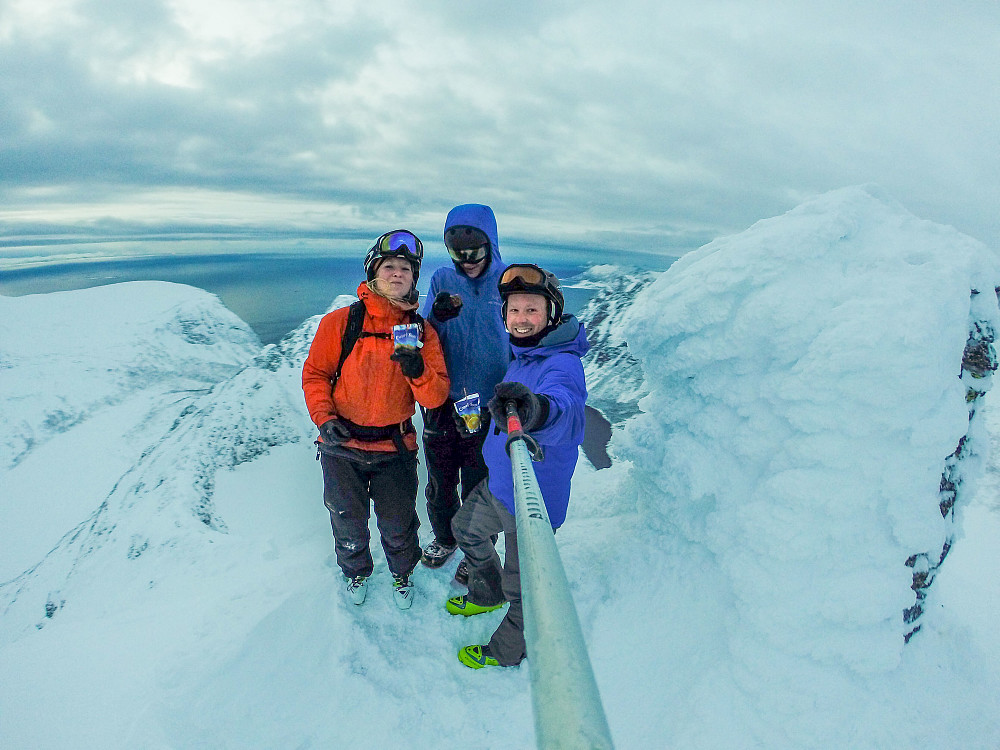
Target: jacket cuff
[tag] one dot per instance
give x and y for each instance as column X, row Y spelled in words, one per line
column 543, row 410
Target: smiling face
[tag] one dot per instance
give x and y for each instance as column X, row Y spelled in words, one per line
column 396, row 274
column 527, row 314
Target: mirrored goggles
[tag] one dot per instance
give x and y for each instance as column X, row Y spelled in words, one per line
column 469, row 255
column 400, row 242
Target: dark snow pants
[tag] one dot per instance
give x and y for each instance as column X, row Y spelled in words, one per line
column 451, row 456
column 476, row 524
column 387, row 480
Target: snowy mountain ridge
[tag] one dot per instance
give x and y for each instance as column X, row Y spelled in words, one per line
column 164, row 501
column 65, row 355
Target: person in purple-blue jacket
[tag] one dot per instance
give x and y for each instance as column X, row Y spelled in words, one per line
column 546, row 382
column 463, row 306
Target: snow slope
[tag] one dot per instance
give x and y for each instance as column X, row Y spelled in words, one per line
column 76, row 368
column 741, row 571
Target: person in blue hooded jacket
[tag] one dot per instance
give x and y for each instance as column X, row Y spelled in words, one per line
column 463, row 306
column 546, row 382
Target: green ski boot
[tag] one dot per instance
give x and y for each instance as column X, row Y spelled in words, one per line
column 460, row 605
column 477, row 657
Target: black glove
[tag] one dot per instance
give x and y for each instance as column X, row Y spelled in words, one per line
column 532, row 408
column 334, row 432
column 446, row 307
column 410, row 361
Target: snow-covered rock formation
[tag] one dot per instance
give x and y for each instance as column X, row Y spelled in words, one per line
column 805, row 398
column 615, row 381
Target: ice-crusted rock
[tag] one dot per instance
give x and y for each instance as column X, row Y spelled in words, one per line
column 965, row 465
column 615, row 380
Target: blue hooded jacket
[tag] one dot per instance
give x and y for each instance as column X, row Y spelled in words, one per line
column 475, row 343
column 552, row 368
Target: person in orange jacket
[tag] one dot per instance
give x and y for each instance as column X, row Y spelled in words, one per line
column 367, row 443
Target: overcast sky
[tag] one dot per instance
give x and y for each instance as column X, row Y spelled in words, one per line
column 652, row 125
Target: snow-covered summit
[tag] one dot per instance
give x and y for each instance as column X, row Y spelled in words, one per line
column 67, row 354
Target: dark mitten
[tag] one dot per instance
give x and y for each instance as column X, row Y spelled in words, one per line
column 532, row 408
column 446, row 306
column 333, row 432
column 411, row 362
column 468, row 425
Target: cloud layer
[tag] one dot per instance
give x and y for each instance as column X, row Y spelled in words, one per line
column 636, row 124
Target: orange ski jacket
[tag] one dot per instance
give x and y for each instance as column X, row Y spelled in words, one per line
column 372, row 390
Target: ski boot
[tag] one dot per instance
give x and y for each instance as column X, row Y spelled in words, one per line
column 435, row 554
column 402, row 591
column 477, row 657
column 357, row 588
column 460, row 605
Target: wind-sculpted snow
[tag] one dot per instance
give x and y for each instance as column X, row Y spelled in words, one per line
column 615, row 381
column 67, row 354
column 806, row 406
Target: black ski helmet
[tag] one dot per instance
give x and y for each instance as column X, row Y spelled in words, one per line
column 527, row 278
column 466, row 244
column 399, row 243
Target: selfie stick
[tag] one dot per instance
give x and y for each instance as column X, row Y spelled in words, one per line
column 565, row 701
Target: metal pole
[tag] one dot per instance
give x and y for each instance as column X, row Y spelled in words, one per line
column 566, row 703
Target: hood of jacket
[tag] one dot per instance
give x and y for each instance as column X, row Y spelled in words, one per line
column 482, row 218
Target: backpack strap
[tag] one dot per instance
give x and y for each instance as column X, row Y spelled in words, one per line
column 352, row 332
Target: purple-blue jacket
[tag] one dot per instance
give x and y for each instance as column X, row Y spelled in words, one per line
column 552, row 368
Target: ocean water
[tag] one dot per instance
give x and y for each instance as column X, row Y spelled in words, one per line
column 273, row 293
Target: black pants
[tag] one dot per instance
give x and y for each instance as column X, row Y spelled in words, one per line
column 387, row 480
column 451, row 457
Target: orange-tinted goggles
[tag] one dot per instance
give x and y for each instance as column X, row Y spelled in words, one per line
column 522, row 275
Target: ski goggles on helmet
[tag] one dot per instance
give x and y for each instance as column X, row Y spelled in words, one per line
column 398, row 243
column 521, row 277
column 466, row 244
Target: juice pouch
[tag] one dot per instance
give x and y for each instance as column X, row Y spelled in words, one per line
column 406, row 335
column 468, row 409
